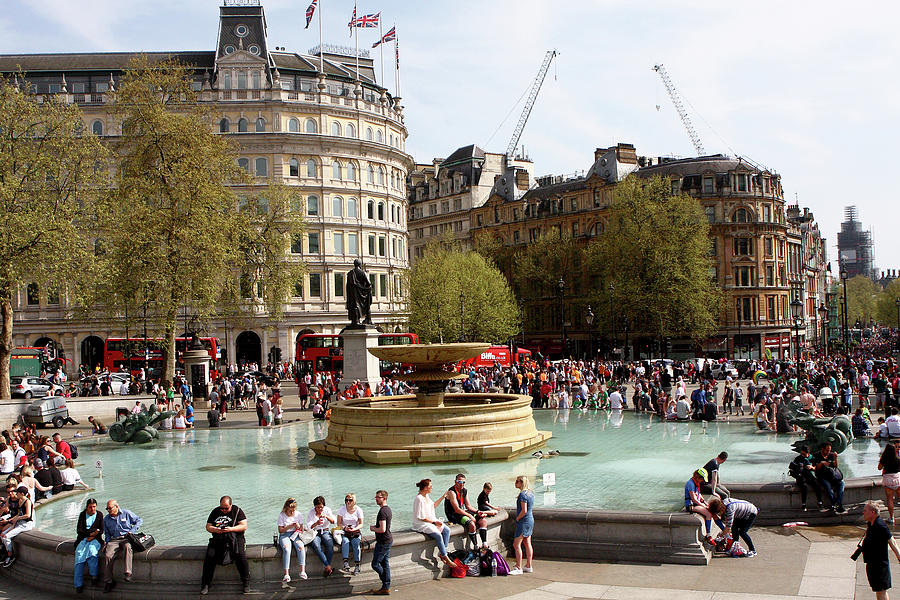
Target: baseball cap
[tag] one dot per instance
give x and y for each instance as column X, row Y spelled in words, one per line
column 702, row 472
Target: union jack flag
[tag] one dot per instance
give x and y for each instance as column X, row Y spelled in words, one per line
column 352, row 21
column 310, row 12
column 390, row 36
column 365, row 20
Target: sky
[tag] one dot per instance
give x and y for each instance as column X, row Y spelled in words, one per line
column 807, row 89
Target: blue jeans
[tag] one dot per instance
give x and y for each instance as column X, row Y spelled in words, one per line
column 835, row 491
column 323, row 546
column 285, row 541
column 380, row 564
column 442, row 539
column 346, row 543
column 79, row 571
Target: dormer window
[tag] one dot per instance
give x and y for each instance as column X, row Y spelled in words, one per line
column 241, row 30
column 254, row 49
column 229, row 49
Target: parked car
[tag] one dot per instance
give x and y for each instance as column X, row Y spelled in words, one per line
column 723, row 370
column 116, row 380
column 45, row 411
column 32, row 387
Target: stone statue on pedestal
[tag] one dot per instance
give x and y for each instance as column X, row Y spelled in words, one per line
column 359, row 295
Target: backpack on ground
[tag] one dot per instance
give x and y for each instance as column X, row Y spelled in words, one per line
column 486, row 563
column 74, row 450
column 501, row 565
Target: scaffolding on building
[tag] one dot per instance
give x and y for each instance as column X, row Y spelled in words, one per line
column 855, row 246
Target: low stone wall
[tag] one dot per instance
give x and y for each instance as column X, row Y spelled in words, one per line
column 46, row 561
column 103, row 407
column 779, row 503
column 607, row 536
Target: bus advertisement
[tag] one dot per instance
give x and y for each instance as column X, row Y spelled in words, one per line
column 496, row 355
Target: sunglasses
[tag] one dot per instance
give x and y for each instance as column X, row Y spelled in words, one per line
column 348, row 499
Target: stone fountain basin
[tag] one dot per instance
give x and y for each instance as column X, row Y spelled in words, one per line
column 397, row 430
column 426, row 356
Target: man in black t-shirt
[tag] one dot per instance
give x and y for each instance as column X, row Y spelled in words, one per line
column 227, row 524
column 383, row 541
column 714, row 486
column 46, row 479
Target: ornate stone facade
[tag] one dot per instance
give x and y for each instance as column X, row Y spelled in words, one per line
column 311, row 121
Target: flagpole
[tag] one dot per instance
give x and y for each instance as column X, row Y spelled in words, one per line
column 381, row 50
column 396, row 61
column 321, row 49
column 356, row 31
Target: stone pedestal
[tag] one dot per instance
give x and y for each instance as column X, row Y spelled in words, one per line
column 196, row 369
column 359, row 363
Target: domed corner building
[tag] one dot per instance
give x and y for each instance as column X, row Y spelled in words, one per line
column 766, row 254
column 311, row 120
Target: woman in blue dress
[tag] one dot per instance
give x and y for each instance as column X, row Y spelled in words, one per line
column 87, row 544
column 524, row 526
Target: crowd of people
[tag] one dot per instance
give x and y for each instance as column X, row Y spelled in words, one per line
column 101, row 539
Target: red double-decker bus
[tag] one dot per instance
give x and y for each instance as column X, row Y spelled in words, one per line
column 324, row 353
column 148, row 353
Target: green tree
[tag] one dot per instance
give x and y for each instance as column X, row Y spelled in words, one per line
column 48, row 176
column 656, row 253
column 457, row 294
column 539, row 266
column 177, row 229
column 861, row 299
column 886, row 309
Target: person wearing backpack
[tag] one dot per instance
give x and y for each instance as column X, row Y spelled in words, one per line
column 524, row 526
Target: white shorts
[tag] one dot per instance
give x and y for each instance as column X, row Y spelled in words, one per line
column 891, row 480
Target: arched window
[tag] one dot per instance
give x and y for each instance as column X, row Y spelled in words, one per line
column 242, row 125
column 337, row 206
column 294, row 166
column 351, row 131
column 224, row 125
column 335, row 170
column 311, row 168
column 335, row 128
column 380, row 175
column 260, row 125
column 369, row 133
column 370, row 209
column 244, row 163
column 379, row 137
column 312, row 206
column 311, row 126
column 371, row 174
column 741, row 215
column 262, row 167
column 351, row 208
column 294, row 126
column 97, row 127
column 381, row 211
column 351, row 171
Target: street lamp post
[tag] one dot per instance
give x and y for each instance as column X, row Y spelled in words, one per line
column 797, row 313
column 612, row 319
column 462, row 334
column 522, row 318
column 897, row 302
column 562, row 316
column 589, row 319
column 823, row 312
column 846, row 321
column 625, row 349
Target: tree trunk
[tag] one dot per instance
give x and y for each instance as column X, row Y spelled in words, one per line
column 6, row 347
column 168, row 373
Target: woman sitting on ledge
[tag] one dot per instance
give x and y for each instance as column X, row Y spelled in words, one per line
column 87, row 544
column 425, row 521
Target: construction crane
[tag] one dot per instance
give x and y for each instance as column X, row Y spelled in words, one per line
column 676, row 100
column 529, row 104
